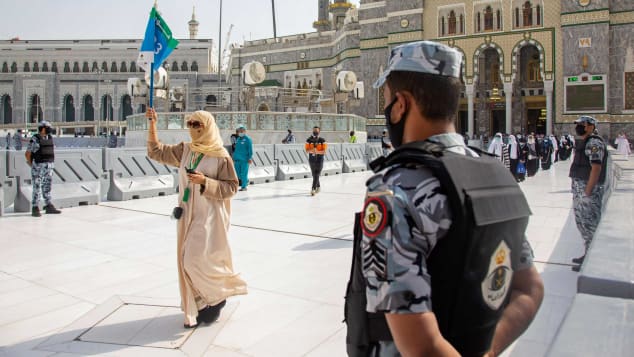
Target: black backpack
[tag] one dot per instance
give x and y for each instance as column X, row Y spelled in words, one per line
column 486, row 210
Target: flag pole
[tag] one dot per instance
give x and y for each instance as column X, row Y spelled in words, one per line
column 152, row 85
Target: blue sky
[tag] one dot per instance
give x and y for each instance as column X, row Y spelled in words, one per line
column 92, row 19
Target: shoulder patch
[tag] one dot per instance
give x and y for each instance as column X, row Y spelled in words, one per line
column 496, row 284
column 375, row 217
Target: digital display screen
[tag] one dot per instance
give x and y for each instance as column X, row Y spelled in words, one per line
column 585, row 98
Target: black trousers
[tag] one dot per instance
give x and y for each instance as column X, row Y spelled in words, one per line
column 316, row 165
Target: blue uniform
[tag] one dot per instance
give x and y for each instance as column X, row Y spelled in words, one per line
column 241, row 156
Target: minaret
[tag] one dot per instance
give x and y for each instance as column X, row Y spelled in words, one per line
column 193, row 25
column 322, row 23
column 338, row 10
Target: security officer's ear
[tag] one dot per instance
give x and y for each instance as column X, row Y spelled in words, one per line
column 401, row 106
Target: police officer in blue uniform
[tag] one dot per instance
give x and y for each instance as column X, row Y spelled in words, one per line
column 588, row 172
column 40, row 155
column 407, row 215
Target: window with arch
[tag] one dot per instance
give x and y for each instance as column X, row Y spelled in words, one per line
column 194, row 66
column 126, row 107
column 499, row 19
column 528, row 14
column 452, row 23
column 175, row 66
column 95, row 67
column 54, row 67
column 442, row 26
column 66, row 67
column 14, row 67
column 517, row 17
column 5, row 67
column 45, row 67
column 488, row 19
column 89, row 109
column 36, row 67
column 184, row 67
column 85, row 68
column 124, row 67
column 538, row 15
column 104, row 66
column 478, row 23
column 68, row 110
column 132, row 66
column 76, row 67
column 533, row 73
column 461, row 23
column 7, row 110
column 27, row 68
column 113, row 66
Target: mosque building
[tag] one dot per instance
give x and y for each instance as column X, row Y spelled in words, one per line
column 529, row 66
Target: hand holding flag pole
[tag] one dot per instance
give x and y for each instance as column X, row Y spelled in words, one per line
column 157, row 45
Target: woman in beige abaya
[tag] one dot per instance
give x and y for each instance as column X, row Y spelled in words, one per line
column 207, row 181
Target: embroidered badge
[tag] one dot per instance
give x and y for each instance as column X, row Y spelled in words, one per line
column 594, row 149
column 496, row 284
column 375, row 217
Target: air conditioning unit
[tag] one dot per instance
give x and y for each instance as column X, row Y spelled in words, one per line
column 161, row 79
column 253, row 73
column 346, row 81
column 136, row 87
column 359, row 90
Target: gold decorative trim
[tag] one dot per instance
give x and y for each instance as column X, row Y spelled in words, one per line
column 581, row 18
column 620, row 18
column 402, row 37
column 374, row 43
column 375, row 122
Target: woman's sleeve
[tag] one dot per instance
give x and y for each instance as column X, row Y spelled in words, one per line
column 225, row 186
column 166, row 154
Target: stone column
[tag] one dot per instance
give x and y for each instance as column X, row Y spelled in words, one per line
column 508, row 95
column 470, row 94
column 548, row 88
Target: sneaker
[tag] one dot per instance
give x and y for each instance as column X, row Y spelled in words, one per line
column 312, row 192
column 579, row 260
column 50, row 209
column 35, row 212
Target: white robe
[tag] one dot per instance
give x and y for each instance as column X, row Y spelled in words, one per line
column 622, row 145
column 205, row 267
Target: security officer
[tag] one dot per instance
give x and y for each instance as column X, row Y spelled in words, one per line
column 40, row 155
column 353, row 138
column 243, row 156
column 316, row 149
column 588, row 172
column 406, row 213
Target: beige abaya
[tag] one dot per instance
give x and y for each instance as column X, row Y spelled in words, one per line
column 205, row 268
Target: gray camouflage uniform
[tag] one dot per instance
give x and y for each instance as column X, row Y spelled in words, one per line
column 41, row 176
column 588, row 209
column 395, row 256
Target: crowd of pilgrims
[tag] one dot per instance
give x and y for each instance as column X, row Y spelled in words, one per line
column 524, row 155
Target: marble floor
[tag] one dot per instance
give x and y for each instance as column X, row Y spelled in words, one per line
column 101, row 280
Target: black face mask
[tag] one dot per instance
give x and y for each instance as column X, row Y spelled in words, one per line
column 315, row 133
column 48, row 131
column 580, row 130
column 394, row 130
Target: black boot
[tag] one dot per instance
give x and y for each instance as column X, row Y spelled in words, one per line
column 210, row 313
column 50, row 209
column 35, row 212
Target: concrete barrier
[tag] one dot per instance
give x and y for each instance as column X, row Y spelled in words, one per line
column 78, row 178
column 354, row 158
column 8, row 185
column 292, row 162
column 134, row 175
column 263, row 169
column 595, row 326
column 373, row 151
column 333, row 162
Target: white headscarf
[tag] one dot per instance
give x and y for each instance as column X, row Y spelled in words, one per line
column 496, row 145
column 206, row 140
column 513, row 147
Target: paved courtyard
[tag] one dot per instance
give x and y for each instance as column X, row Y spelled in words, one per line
column 102, row 280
